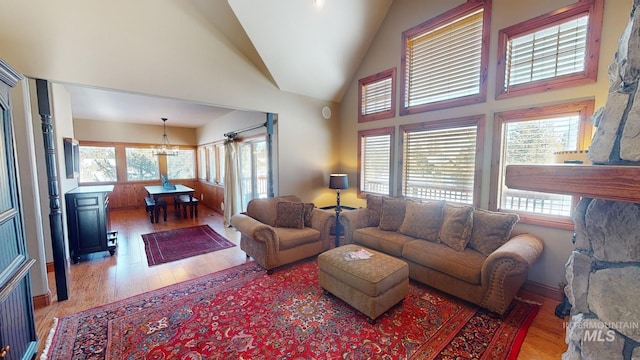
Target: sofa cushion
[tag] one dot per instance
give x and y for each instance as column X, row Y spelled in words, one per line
column 389, row 242
column 291, row 238
column 423, row 220
column 465, row 265
column 392, row 214
column 290, row 215
column 374, row 209
column 265, row 210
column 308, row 211
column 491, row 230
column 456, row 227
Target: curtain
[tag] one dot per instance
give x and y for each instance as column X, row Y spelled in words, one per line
column 232, row 186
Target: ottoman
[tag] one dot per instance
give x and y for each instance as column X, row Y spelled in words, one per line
column 372, row 285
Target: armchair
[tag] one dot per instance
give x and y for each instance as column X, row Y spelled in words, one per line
column 275, row 233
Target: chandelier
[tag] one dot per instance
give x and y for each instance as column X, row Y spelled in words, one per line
column 165, row 148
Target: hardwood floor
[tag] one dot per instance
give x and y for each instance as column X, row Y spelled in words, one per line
column 100, row 278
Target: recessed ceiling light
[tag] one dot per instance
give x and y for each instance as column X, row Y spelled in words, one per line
column 318, row 3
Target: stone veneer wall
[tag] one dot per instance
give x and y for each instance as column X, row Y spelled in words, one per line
column 603, row 272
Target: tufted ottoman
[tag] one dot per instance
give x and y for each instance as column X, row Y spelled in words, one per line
column 372, row 286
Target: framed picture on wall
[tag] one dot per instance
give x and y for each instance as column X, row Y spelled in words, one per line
column 71, row 158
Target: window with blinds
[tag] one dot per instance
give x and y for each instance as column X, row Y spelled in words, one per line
column 375, row 148
column 535, row 142
column 554, row 51
column 551, row 51
column 444, row 62
column 532, row 136
column 377, row 96
column 440, row 163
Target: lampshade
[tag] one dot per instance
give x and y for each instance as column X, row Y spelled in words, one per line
column 338, row 181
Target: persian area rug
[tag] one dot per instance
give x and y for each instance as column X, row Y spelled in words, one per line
column 243, row 313
column 166, row 246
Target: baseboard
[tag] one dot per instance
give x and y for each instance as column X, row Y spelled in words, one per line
column 41, row 301
column 553, row 293
column 50, row 267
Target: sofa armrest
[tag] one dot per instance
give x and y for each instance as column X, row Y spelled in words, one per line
column 505, row 270
column 323, row 220
column 256, row 230
column 352, row 220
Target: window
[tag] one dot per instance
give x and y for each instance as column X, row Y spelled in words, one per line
column 202, row 163
column 532, row 136
column 552, row 51
column 441, row 159
column 445, row 60
column 377, row 96
column 182, row 166
column 141, row 164
column 211, row 151
column 374, row 160
column 221, row 162
column 253, row 169
column 97, row 164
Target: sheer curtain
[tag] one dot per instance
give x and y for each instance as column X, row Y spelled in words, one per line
column 232, row 187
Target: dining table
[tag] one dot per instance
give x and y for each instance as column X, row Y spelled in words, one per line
column 158, row 191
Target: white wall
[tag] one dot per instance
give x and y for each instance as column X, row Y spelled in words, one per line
column 385, row 52
column 164, row 48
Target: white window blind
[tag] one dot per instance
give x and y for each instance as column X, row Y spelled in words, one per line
column 550, row 52
column 444, row 63
column 439, row 164
column 376, row 96
column 375, row 153
column 534, row 142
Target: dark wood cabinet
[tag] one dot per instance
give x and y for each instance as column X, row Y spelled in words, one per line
column 17, row 325
column 88, row 224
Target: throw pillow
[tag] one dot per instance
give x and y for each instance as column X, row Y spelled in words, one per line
column 491, row 230
column 456, row 226
column 290, row 215
column 374, row 209
column 308, row 211
column 423, row 220
column 392, row 214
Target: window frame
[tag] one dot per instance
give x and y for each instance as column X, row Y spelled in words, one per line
column 440, row 20
column 473, row 120
column 391, row 131
column 195, row 164
column 383, row 75
column 595, row 10
column 121, row 161
column 102, row 145
column 583, row 108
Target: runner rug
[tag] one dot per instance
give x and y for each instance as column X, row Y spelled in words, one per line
column 242, row 313
column 165, row 246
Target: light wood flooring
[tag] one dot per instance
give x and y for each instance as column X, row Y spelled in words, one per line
column 100, row 278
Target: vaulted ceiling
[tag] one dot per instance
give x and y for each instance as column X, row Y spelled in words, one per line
column 307, row 47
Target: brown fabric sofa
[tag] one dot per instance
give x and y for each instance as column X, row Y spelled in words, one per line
column 467, row 252
column 281, row 230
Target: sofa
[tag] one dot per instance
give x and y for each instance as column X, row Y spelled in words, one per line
column 464, row 251
column 281, row 230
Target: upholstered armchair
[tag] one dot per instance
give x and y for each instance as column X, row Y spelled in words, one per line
column 281, row 230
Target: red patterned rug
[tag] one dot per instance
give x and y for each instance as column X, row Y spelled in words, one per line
column 165, row 246
column 242, row 313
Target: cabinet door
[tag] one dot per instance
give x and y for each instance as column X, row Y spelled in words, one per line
column 88, row 223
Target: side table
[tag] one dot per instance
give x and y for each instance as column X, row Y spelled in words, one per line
column 336, row 229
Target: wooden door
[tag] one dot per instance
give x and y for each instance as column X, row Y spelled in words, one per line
column 17, row 326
